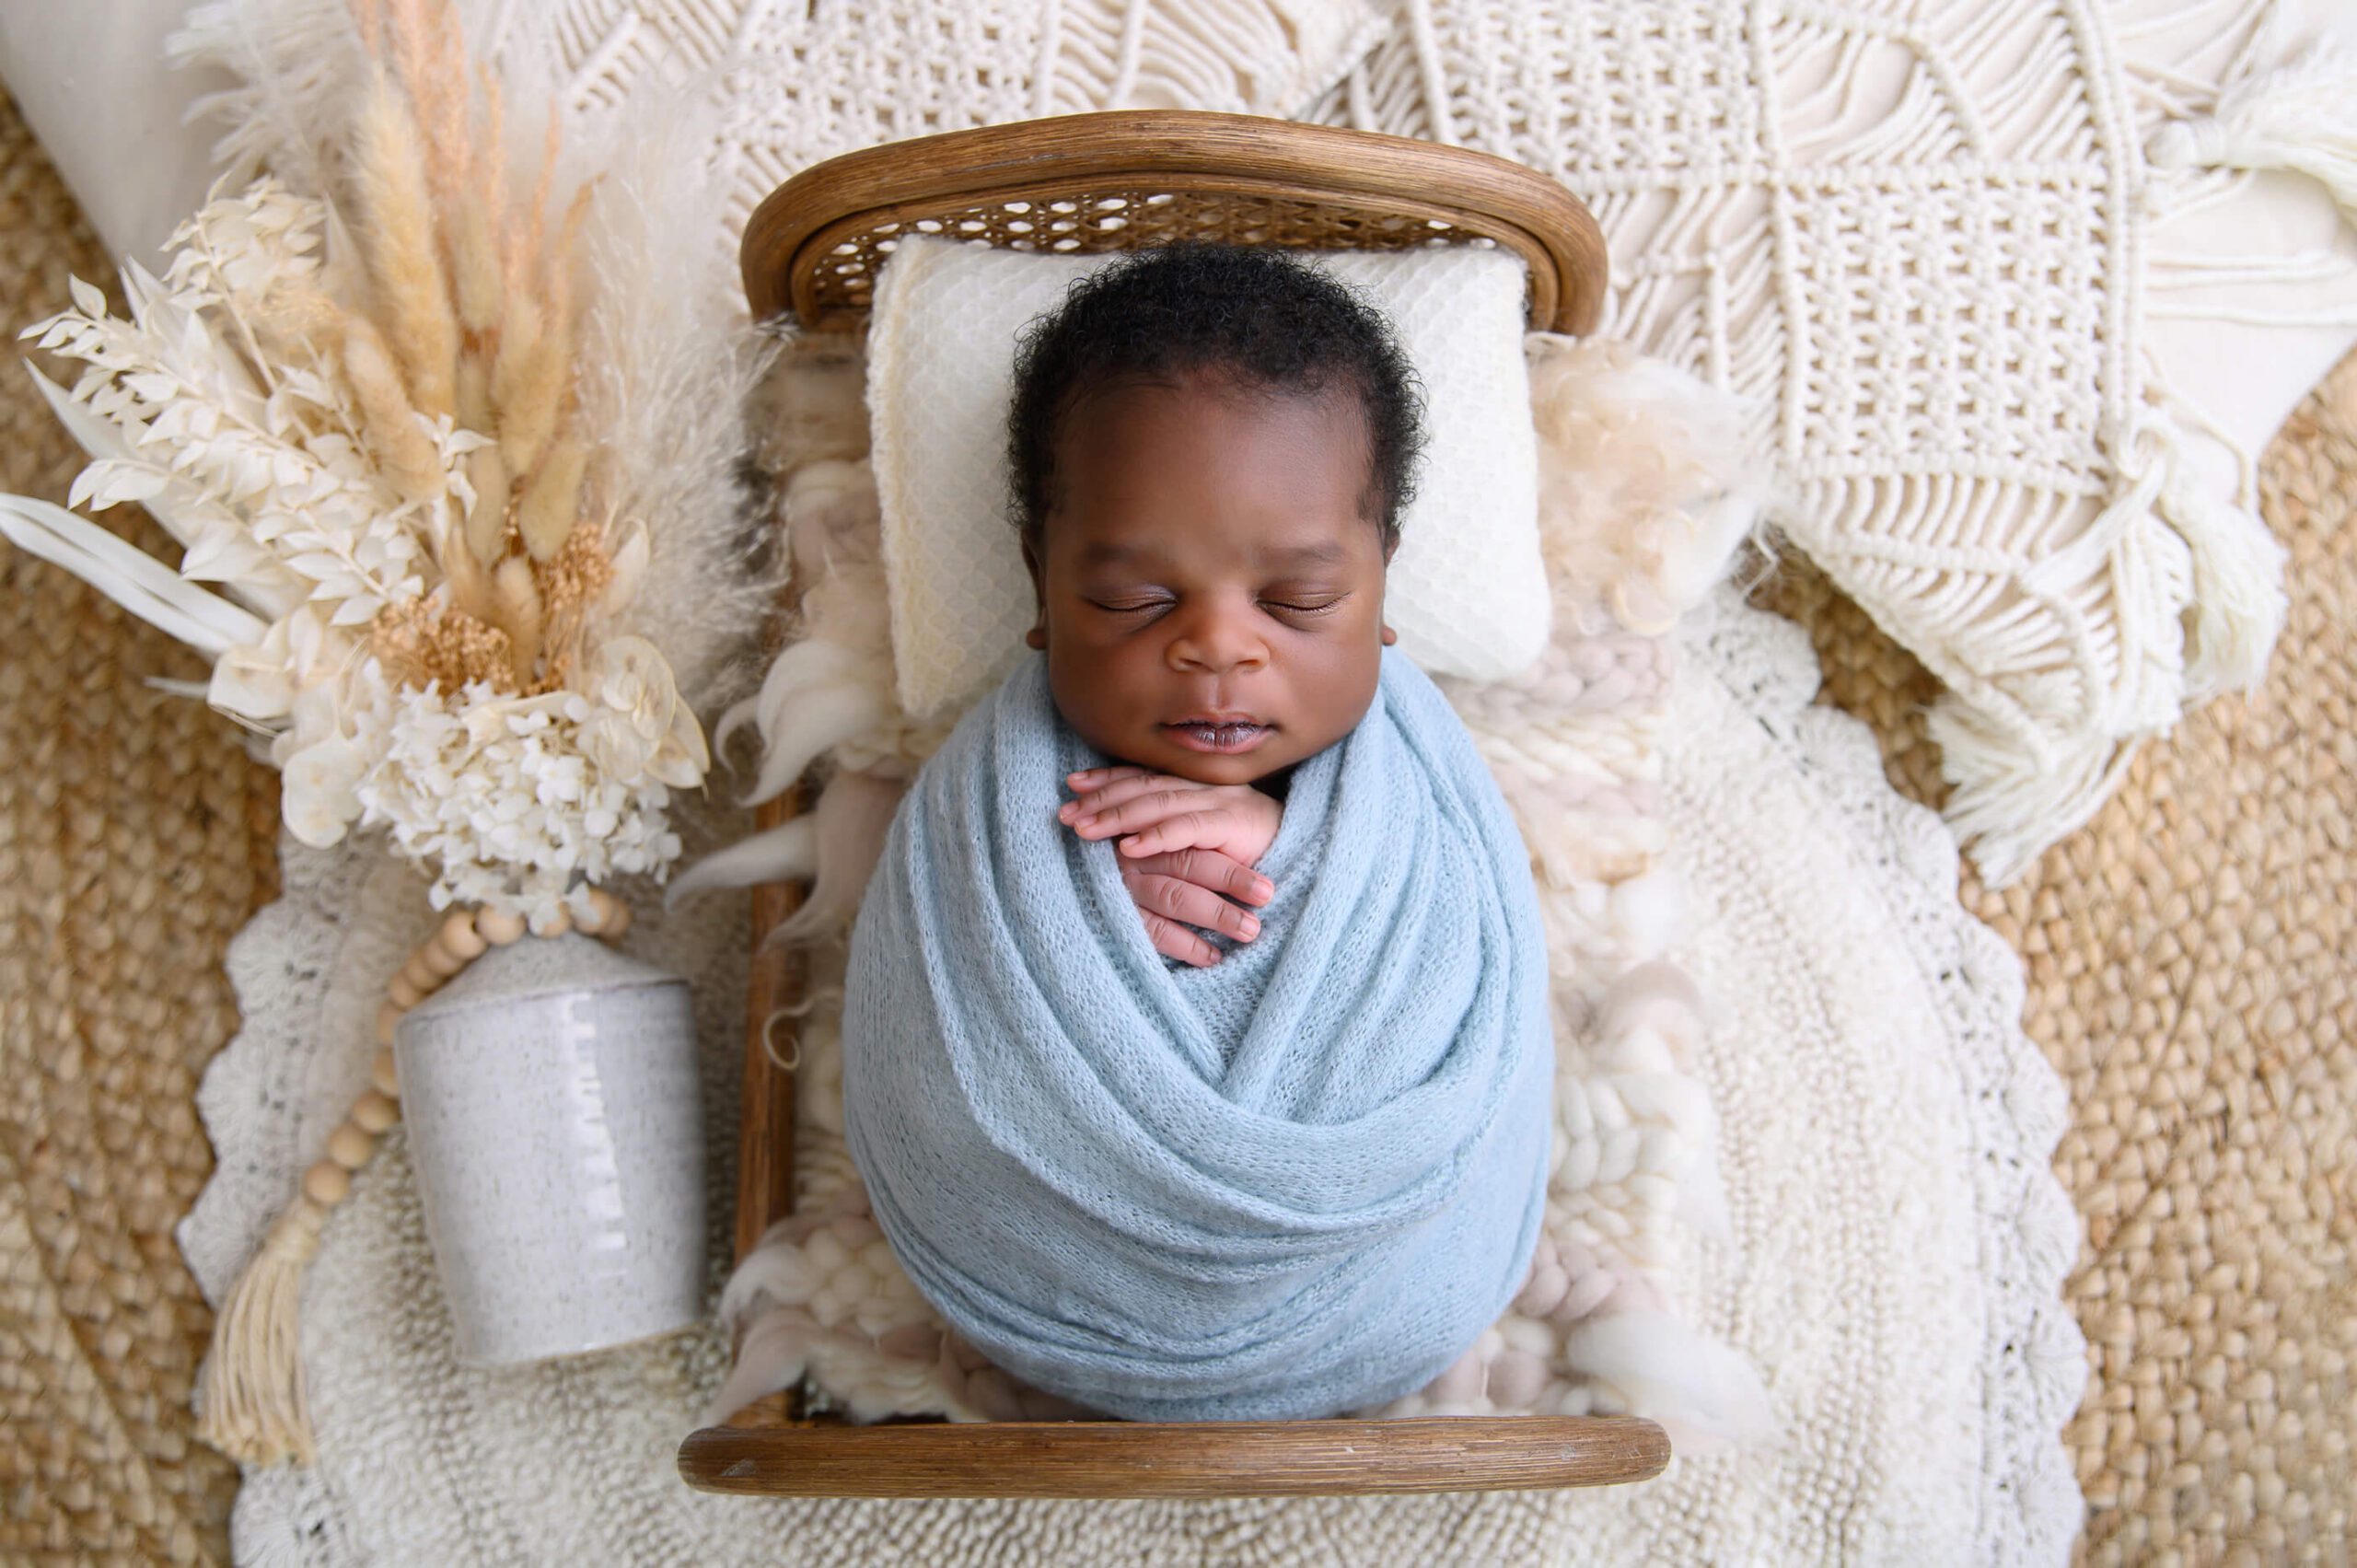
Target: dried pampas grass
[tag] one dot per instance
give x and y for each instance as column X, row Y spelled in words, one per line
column 297, row 67
column 670, row 361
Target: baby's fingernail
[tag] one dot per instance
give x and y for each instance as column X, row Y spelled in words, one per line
column 1263, row 888
column 1251, row 928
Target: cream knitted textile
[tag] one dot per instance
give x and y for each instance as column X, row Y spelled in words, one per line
column 1915, row 237
column 1892, row 1259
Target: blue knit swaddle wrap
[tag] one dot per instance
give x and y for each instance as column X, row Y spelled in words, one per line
column 1299, row 1181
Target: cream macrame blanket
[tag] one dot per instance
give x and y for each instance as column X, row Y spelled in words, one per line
column 1922, row 241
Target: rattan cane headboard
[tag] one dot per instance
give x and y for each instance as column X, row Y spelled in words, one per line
column 1134, row 178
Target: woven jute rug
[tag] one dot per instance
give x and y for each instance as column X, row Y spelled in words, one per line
column 135, row 838
column 2188, row 958
column 2191, row 956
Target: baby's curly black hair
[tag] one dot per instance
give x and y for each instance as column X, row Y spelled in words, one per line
column 1270, row 320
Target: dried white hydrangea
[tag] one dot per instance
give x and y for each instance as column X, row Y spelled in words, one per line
column 518, row 803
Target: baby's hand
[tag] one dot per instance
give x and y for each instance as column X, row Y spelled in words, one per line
column 1181, row 886
column 1159, row 812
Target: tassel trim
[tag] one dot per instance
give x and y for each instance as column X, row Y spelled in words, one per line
column 2300, row 116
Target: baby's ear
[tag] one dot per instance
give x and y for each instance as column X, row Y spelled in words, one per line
column 1038, row 636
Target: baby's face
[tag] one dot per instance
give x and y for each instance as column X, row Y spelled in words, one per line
column 1210, row 595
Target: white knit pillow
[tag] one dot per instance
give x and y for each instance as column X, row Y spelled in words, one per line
column 1467, row 592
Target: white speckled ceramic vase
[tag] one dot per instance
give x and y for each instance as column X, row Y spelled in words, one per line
column 555, row 1131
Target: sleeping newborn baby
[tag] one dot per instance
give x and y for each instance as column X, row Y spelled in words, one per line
column 1211, row 590
column 1196, row 1048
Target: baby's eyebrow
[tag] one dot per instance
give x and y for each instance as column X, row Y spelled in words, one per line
column 1106, row 553
column 1325, row 553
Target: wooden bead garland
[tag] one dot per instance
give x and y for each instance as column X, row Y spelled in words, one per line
column 251, row 1396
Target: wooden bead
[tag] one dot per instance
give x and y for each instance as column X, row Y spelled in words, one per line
column 593, row 922
column 381, row 1074
column 616, row 921
column 350, row 1146
column 459, row 937
column 440, row 963
column 419, row 975
column 389, row 1017
column 402, row 994
column 557, row 924
column 326, row 1183
column 499, row 927
column 374, row 1112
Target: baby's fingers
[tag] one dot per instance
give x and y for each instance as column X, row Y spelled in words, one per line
column 1208, row 868
column 1187, row 830
column 1121, row 800
column 1186, row 903
column 1089, row 778
column 1175, row 941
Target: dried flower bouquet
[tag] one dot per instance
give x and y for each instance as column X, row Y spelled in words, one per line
column 405, row 424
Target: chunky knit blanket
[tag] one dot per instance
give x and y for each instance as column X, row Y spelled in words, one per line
column 1301, row 1179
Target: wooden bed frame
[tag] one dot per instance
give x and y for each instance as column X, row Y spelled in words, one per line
column 1096, row 183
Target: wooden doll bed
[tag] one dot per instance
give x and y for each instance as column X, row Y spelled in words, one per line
column 1098, row 182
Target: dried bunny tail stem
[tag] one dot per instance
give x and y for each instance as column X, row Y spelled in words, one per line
column 475, row 249
column 527, row 383
column 552, row 499
column 535, row 365
column 469, row 574
column 491, row 162
column 517, row 600
column 474, row 262
column 486, row 529
column 394, row 435
column 523, row 254
column 397, row 234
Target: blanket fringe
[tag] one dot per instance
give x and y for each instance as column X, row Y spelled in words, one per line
column 2301, row 116
column 2188, row 560
column 2013, row 800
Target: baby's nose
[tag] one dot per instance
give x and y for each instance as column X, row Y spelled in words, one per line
column 1216, row 638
